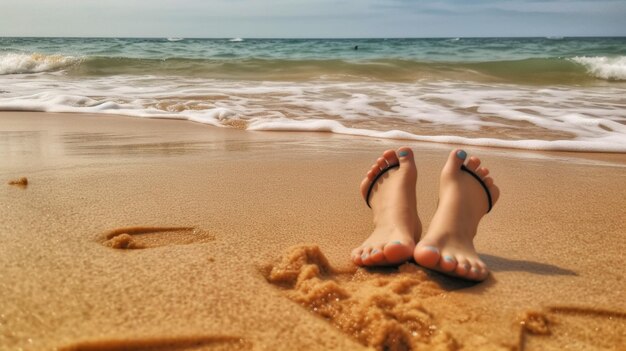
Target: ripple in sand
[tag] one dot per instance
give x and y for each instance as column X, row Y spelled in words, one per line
column 381, row 310
column 148, row 237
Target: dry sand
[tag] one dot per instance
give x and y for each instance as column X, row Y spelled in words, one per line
column 135, row 234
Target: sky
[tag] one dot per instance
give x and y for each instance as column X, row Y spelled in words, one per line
column 312, row 18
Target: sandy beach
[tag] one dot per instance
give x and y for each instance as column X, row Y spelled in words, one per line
column 156, row 234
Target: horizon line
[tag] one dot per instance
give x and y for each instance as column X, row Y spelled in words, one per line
column 317, row 38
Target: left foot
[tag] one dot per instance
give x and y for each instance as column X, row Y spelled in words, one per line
column 394, row 207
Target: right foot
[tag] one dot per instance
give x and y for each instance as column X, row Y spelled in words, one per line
column 448, row 245
column 394, row 207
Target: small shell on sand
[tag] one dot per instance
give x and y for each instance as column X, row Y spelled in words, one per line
column 19, row 182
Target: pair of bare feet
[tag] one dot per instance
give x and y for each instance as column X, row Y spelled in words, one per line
column 448, row 245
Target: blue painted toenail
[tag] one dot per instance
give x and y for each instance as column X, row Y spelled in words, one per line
column 475, row 270
column 431, row 248
column 397, row 242
column 403, row 153
column 364, row 256
column 374, row 251
column 449, row 258
column 461, row 154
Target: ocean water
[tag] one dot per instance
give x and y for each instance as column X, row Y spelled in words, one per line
column 527, row 93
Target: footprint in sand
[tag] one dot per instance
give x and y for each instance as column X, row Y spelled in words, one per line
column 148, row 237
column 574, row 328
column 206, row 343
column 20, row 183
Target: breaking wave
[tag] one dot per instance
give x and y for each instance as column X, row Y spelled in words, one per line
column 16, row 63
column 609, row 68
column 542, row 71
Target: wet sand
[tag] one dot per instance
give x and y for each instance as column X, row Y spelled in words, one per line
column 167, row 235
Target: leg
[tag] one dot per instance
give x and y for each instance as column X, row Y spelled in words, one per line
column 394, row 207
column 448, row 245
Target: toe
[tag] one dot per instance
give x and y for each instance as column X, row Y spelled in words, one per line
column 377, row 255
column 482, row 172
column 382, row 163
column 473, row 163
column 375, row 166
column 407, row 163
column 475, row 272
column 484, row 272
column 366, row 256
column 454, row 162
column 494, row 191
column 405, row 156
column 391, row 157
column 427, row 256
column 365, row 184
column 448, row 262
column 356, row 256
column 462, row 268
column 398, row 251
column 488, row 181
column 371, row 174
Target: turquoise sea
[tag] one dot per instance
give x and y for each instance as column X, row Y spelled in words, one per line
column 530, row 93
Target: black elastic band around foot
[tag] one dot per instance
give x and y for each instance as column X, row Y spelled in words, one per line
column 369, row 191
column 481, row 183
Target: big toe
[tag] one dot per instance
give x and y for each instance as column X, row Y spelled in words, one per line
column 454, row 162
column 406, row 158
column 427, row 256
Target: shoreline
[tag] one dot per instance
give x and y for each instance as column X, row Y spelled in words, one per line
column 554, row 242
column 611, row 157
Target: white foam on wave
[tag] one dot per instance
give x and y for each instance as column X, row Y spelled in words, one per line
column 611, row 143
column 15, row 63
column 47, row 102
column 496, row 115
column 609, row 68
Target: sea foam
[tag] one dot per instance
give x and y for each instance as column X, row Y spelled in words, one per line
column 609, row 68
column 609, row 143
column 495, row 115
column 14, row 63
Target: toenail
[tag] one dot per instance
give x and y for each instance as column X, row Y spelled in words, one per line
column 449, row 258
column 475, row 270
column 397, row 242
column 403, row 153
column 461, row 154
column 374, row 251
column 364, row 256
column 431, row 248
